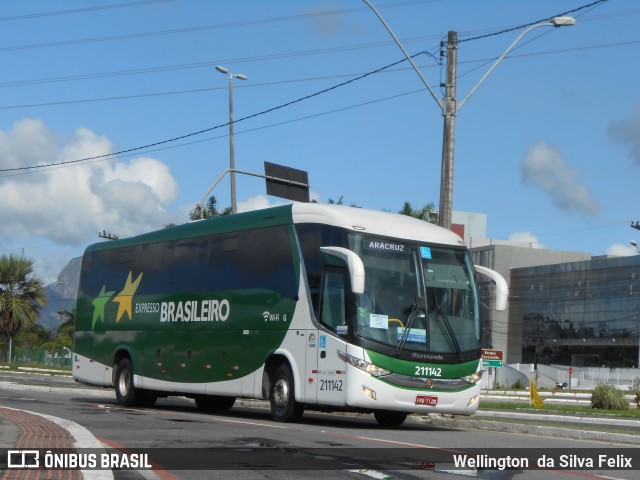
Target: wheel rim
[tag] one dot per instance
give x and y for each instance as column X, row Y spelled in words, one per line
column 123, row 382
column 281, row 393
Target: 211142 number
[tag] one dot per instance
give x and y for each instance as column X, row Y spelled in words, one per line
column 331, row 385
column 428, row 371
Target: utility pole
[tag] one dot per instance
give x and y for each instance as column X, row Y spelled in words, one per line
column 107, row 236
column 449, row 111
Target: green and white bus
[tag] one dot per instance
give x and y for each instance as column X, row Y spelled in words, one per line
column 305, row 305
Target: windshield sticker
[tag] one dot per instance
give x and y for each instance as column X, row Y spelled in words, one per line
column 416, row 335
column 379, row 321
column 425, row 252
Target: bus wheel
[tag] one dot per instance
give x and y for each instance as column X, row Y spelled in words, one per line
column 214, row 403
column 387, row 418
column 284, row 407
column 123, row 383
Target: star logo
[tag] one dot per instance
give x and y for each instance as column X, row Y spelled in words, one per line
column 98, row 306
column 125, row 297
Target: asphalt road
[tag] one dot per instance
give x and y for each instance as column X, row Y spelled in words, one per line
column 245, row 443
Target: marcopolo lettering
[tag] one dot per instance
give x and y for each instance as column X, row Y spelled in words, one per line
column 195, row 311
column 395, row 247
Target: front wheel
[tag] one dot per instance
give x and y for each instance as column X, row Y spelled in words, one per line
column 387, row 418
column 284, row 407
column 126, row 394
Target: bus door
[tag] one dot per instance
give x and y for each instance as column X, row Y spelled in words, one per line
column 332, row 339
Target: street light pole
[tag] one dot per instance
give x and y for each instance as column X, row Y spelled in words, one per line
column 450, row 107
column 449, row 111
column 232, row 160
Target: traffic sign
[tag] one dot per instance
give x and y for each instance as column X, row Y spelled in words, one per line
column 492, row 363
column 492, row 358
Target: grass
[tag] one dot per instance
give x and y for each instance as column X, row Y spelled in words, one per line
column 559, row 409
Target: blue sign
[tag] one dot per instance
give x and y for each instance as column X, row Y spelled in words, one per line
column 323, row 341
column 425, row 252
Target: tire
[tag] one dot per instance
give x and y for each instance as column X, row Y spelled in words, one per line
column 214, row 403
column 386, row 418
column 284, row 407
column 126, row 394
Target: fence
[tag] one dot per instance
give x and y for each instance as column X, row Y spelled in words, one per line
column 59, row 358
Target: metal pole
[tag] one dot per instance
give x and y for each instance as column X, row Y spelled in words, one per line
column 448, row 140
column 232, row 160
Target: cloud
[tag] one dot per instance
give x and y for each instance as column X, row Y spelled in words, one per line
column 627, row 132
column 526, row 237
column 544, row 167
column 326, row 19
column 619, row 250
column 259, row 202
column 70, row 205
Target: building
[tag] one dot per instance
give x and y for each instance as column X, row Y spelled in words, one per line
column 565, row 308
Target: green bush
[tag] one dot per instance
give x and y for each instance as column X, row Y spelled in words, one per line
column 517, row 385
column 608, row 398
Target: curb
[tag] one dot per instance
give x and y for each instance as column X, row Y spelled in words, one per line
column 540, row 430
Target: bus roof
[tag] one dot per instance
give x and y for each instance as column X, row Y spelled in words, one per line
column 351, row 218
column 373, row 222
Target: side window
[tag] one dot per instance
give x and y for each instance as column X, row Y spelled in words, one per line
column 333, row 305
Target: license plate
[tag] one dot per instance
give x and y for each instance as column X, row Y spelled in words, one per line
column 426, row 400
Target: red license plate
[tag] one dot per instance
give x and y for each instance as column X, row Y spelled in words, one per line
column 426, row 400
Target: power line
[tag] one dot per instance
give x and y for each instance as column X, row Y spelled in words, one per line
column 106, row 156
column 79, row 10
column 182, row 137
column 507, row 30
column 209, row 63
column 218, row 26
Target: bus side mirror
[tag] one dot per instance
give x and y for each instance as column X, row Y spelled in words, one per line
column 502, row 289
column 353, row 263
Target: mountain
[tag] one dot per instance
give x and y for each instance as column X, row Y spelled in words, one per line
column 61, row 295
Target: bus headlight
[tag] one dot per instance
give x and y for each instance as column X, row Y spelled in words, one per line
column 475, row 377
column 370, row 368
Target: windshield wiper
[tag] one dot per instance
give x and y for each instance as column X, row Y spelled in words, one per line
column 449, row 330
column 412, row 315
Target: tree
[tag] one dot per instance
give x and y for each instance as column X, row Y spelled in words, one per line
column 21, row 297
column 421, row 213
column 66, row 328
column 210, row 210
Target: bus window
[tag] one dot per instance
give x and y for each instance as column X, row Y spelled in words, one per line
column 333, row 314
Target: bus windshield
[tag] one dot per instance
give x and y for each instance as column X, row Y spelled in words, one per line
column 418, row 297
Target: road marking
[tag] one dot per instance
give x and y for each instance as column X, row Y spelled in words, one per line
column 372, row 473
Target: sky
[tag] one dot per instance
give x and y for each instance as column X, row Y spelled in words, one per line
column 113, row 117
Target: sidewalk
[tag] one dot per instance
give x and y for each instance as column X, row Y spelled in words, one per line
column 23, row 430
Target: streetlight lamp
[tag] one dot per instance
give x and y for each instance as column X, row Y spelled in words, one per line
column 450, row 107
column 232, row 161
column 635, row 244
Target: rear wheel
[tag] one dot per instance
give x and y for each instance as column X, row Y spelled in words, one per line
column 214, row 403
column 386, row 418
column 284, row 407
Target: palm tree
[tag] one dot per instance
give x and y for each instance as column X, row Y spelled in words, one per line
column 210, row 210
column 21, row 297
column 421, row 213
